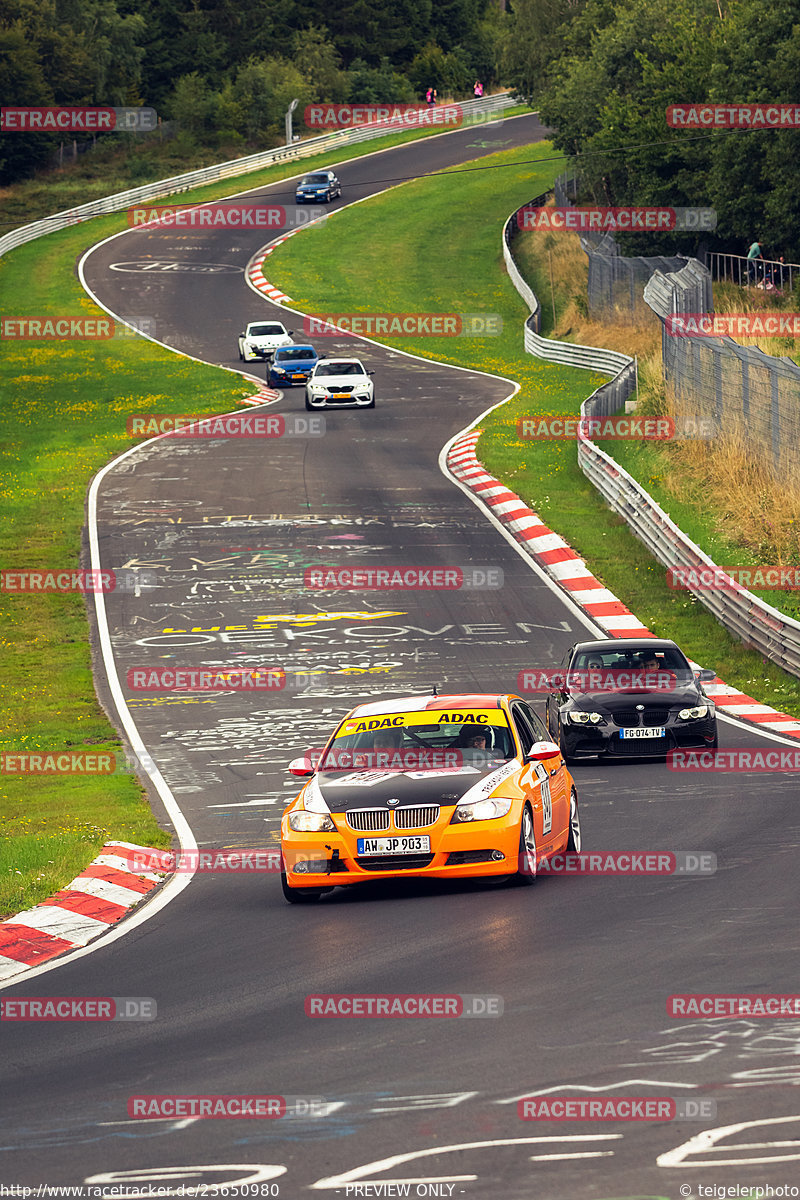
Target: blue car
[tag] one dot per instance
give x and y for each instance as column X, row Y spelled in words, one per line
column 291, row 365
column 322, row 185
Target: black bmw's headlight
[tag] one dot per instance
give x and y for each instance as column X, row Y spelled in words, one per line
column 694, row 714
column 585, row 718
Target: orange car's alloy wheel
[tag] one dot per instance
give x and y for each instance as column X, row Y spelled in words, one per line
column 574, row 840
column 526, row 866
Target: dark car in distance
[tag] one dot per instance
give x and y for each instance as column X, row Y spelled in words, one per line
column 629, row 697
column 320, row 185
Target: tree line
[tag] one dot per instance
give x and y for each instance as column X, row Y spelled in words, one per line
column 601, row 72
column 604, row 74
column 226, row 72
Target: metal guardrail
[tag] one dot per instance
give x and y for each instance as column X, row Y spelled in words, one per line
column 755, row 622
column 227, row 170
column 608, row 362
column 752, row 272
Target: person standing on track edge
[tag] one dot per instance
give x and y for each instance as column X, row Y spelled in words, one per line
column 431, row 97
column 478, row 89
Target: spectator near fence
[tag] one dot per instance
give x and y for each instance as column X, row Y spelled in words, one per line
column 753, row 254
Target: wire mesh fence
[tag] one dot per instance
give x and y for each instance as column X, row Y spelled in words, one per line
column 615, row 281
column 727, row 390
column 719, row 388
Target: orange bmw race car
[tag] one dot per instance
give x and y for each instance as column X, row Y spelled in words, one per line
column 440, row 786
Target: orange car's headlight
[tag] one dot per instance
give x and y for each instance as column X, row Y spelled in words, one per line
column 481, row 810
column 310, row 822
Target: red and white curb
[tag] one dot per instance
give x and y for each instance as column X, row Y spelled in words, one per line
column 255, row 271
column 95, row 900
column 569, row 570
column 264, row 394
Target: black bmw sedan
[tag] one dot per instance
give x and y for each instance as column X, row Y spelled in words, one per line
column 626, row 697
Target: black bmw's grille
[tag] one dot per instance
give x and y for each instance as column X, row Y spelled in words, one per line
column 655, row 716
column 341, row 388
column 628, row 718
column 395, row 862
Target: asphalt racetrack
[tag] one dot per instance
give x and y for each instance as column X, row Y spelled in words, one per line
column 584, row 966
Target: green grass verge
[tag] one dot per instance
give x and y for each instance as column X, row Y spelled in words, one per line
column 63, row 409
column 345, row 261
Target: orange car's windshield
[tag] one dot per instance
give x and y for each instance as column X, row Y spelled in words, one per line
column 468, row 733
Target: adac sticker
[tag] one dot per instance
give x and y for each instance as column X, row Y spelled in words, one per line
column 432, row 717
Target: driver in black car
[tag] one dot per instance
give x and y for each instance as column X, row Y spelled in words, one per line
column 651, row 666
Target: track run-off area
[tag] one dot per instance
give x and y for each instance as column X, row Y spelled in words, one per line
column 584, row 966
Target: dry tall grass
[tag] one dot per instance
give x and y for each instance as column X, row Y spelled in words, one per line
column 748, row 504
column 744, row 501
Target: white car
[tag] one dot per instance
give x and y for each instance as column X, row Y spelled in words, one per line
column 340, row 382
column 261, row 339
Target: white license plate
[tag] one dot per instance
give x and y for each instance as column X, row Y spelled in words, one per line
column 394, row 845
column 646, row 731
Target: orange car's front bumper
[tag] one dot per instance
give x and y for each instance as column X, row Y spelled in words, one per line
column 332, row 859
